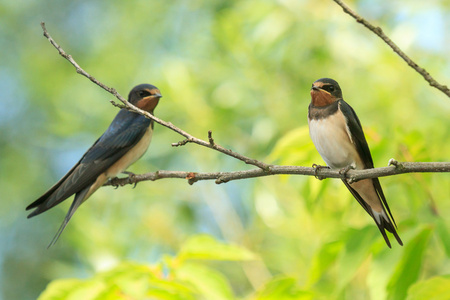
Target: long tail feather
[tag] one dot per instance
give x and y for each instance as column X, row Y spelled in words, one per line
column 79, row 198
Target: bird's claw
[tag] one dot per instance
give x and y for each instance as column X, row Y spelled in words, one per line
column 113, row 183
column 345, row 170
column 132, row 177
column 316, row 168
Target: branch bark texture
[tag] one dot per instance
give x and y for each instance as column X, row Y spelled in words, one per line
column 379, row 32
column 263, row 168
column 352, row 175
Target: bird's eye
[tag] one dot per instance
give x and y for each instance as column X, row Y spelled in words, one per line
column 144, row 93
column 329, row 88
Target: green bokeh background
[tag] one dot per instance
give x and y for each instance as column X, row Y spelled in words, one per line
column 242, row 69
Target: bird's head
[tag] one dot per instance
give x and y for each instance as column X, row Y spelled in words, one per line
column 145, row 96
column 325, row 91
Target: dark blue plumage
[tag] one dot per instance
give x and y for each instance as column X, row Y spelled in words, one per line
column 125, row 141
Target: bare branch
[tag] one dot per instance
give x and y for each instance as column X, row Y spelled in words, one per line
column 131, row 107
column 378, row 31
column 264, row 169
column 395, row 168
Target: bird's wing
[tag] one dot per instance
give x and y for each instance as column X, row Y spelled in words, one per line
column 124, row 132
column 357, row 134
column 358, row 138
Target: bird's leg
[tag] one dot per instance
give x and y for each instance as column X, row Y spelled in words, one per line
column 113, row 183
column 345, row 170
column 131, row 176
column 316, row 168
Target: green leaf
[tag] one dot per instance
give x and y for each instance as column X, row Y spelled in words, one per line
column 283, row 288
column 137, row 281
column 210, row 283
column 323, row 260
column 382, row 266
column 357, row 248
column 73, row 289
column 128, row 280
column 444, row 235
column 206, row 247
column 59, row 289
column 169, row 289
column 435, row 288
column 407, row 270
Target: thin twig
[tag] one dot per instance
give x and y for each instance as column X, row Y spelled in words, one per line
column 131, row 107
column 395, row 168
column 378, row 31
column 264, row 169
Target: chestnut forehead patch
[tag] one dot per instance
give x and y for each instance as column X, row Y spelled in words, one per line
column 154, row 91
column 318, row 84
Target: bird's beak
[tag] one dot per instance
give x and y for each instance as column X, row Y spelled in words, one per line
column 319, row 89
column 149, row 103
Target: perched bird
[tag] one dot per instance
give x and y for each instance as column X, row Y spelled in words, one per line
column 124, row 142
column 339, row 138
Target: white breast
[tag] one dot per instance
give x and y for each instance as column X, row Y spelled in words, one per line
column 131, row 156
column 333, row 141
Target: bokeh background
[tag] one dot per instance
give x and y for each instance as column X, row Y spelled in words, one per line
column 242, row 69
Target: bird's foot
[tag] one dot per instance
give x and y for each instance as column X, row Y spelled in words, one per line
column 114, row 183
column 317, row 168
column 345, row 170
column 131, row 177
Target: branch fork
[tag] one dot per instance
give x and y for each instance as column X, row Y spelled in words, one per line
column 262, row 169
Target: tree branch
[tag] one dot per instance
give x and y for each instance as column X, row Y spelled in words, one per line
column 264, row 169
column 395, row 168
column 189, row 138
column 378, row 31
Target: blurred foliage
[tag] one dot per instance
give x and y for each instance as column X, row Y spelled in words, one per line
column 178, row 277
column 242, row 69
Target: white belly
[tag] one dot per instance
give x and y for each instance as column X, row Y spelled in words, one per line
column 123, row 163
column 131, row 156
column 332, row 141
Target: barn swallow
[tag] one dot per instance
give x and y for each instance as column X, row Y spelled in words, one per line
column 124, row 142
column 339, row 138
